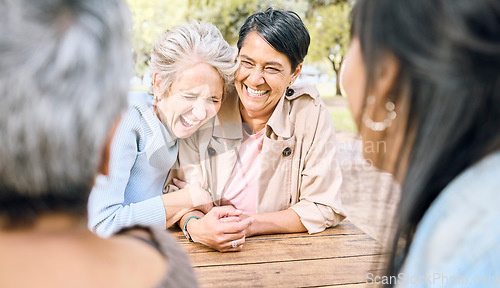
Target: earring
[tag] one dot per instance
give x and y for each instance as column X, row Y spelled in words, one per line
column 380, row 126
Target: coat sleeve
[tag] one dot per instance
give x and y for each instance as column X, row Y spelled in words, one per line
column 320, row 205
column 107, row 212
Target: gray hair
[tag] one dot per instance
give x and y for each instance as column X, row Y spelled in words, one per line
column 64, row 73
column 188, row 44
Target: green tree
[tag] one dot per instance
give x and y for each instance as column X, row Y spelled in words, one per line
column 229, row 15
column 327, row 21
column 329, row 27
column 150, row 19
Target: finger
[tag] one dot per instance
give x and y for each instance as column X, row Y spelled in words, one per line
column 226, row 211
column 235, row 245
column 179, row 183
column 236, row 227
column 230, row 219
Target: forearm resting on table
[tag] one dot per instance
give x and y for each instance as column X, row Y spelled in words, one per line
column 184, row 217
column 177, row 204
column 286, row 221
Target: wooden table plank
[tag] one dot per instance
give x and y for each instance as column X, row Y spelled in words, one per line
column 338, row 257
column 307, row 273
column 286, row 249
column 344, row 228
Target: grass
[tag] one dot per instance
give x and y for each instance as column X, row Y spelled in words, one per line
column 326, row 90
column 342, row 118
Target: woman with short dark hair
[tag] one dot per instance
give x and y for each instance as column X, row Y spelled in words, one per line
column 273, row 156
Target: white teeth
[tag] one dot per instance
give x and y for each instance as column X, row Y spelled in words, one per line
column 256, row 92
column 191, row 122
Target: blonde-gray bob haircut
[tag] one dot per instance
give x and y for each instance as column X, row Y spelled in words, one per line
column 186, row 45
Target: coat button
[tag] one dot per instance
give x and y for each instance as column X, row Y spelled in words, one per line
column 287, row 151
column 289, row 92
column 211, row 151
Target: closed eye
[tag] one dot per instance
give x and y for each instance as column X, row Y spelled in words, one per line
column 213, row 100
column 246, row 64
column 272, row 70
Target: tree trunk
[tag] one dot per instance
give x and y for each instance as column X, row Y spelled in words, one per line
column 337, row 69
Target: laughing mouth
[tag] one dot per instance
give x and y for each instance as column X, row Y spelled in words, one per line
column 188, row 122
column 256, row 93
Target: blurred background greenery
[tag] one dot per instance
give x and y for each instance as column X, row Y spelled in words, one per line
column 327, row 21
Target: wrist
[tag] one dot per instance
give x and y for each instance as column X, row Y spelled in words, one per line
column 192, row 227
column 185, row 227
column 249, row 230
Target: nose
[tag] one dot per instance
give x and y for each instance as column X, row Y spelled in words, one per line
column 200, row 110
column 256, row 77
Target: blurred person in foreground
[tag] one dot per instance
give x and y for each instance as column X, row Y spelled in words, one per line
column 424, row 78
column 64, row 73
column 192, row 66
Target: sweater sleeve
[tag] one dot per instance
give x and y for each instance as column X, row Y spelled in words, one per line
column 107, row 212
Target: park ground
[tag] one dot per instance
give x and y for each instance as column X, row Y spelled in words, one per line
column 369, row 195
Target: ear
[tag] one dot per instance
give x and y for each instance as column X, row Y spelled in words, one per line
column 105, row 155
column 387, row 77
column 296, row 73
column 156, row 85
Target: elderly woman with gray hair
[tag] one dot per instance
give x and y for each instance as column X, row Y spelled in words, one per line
column 58, row 114
column 192, row 65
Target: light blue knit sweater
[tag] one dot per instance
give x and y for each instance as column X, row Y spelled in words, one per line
column 142, row 153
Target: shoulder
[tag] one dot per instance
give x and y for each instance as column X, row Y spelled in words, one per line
column 306, row 106
column 138, row 103
column 305, row 102
column 139, row 99
column 179, row 272
column 461, row 227
column 305, row 93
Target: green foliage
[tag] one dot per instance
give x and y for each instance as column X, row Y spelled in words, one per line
column 329, row 27
column 150, row 19
column 229, row 15
column 327, row 21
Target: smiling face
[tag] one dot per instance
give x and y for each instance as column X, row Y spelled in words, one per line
column 262, row 78
column 194, row 97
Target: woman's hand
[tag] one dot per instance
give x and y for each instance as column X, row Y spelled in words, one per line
column 219, row 228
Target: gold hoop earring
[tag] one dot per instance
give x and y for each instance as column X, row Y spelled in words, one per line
column 380, row 126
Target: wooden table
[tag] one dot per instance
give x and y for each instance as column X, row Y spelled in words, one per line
column 338, row 257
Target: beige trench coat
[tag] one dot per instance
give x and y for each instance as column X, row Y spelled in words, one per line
column 299, row 169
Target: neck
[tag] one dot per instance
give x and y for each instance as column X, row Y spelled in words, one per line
column 53, row 224
column 257, row 122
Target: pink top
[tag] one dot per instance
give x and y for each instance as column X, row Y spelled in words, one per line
column 241, row 189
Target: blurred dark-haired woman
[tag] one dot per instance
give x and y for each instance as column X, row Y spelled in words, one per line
column 424, row 76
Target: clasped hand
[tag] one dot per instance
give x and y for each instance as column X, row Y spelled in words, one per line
column 220, row 227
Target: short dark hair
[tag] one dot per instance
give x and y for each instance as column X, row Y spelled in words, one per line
column 284, row 30
column 450, row 75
